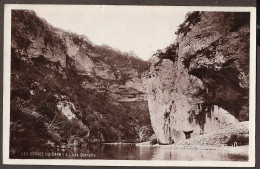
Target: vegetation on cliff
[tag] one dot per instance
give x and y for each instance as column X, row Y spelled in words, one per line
column 55, row 103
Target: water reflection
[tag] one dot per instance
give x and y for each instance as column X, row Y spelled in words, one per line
column 161, row 153
column 134, row 152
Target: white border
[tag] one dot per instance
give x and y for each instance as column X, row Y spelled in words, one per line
column 252, row 91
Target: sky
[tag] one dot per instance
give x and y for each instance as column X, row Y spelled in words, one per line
column 141, row 29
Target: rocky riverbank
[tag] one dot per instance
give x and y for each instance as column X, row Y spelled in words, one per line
column 233, row 135
column 222, row 137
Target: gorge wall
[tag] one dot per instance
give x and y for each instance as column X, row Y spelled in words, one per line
column 200, row 83
column 67, row 91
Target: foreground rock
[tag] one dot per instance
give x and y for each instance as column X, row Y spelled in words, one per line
column 222, row 137
column 199, row 84
column 234, row 135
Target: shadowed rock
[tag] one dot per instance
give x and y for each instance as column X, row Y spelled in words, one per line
column 200, row 82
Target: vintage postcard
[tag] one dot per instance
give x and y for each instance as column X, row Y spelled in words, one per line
column 129, row 85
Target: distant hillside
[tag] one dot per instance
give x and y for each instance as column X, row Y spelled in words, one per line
column 67, row 91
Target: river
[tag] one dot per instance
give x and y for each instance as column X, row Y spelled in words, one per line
column 134, row 152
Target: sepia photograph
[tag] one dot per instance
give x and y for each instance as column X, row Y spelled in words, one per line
column 129, row 85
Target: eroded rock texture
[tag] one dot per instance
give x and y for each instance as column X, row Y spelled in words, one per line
column 200, row 83
column 67, row 91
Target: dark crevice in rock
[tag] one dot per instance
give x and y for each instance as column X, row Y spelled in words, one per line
column 188, row 134
column 223, row 89
column 205, row 110
column 239, row 19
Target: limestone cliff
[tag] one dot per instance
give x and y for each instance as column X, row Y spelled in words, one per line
column 199, row 84
column 33, row 37
column 67, row 91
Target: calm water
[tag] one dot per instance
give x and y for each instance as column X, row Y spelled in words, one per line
column 133, row 152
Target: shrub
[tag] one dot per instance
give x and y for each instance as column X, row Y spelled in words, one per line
column 191, row 19
column 154, row 141
column 240, row 139
column 168, row 53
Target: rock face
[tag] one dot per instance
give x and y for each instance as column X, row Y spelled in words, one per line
column 65, row 108
column 69, row 91
column 37, row 38
column 199, row 84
